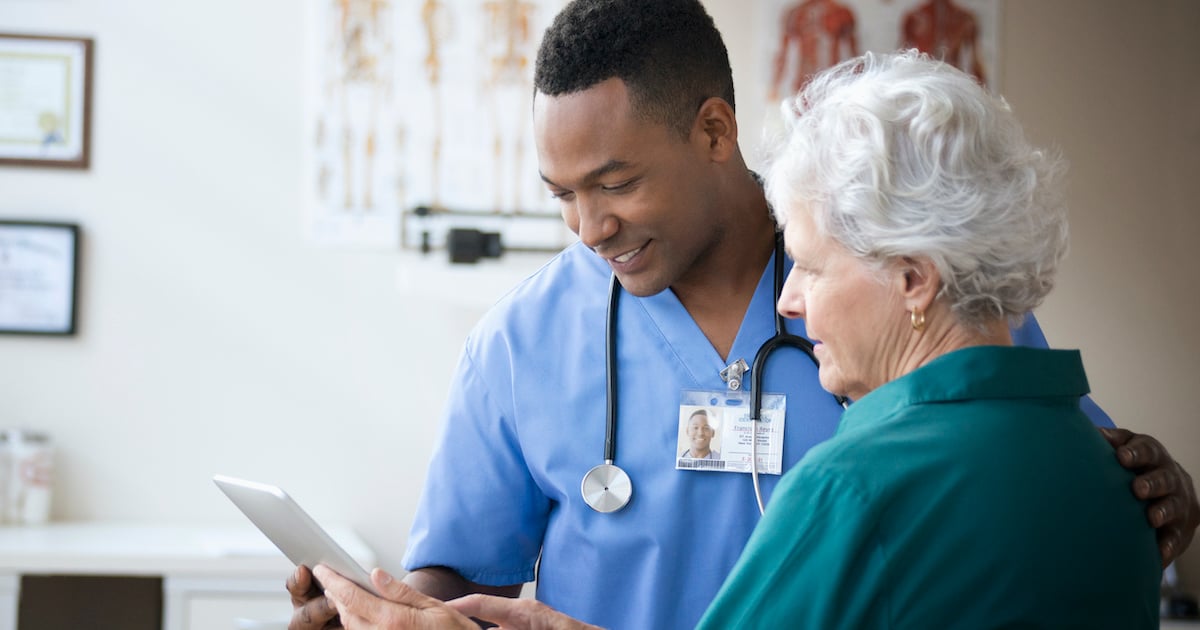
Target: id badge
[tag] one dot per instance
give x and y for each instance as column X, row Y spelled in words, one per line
column 715, row 432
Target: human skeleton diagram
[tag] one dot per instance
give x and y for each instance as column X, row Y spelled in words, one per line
column 946, row 31
column 435, row 18
column 823, row 33
column 508, row 45
column 358, row 88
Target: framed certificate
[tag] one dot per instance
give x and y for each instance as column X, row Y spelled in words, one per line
column 39, row 269
column 45, row 100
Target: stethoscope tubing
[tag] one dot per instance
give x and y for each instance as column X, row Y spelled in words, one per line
column 610, row 372
column 607, row 488
column 605, row 501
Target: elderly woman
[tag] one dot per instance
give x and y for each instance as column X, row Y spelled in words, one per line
column 921, row 224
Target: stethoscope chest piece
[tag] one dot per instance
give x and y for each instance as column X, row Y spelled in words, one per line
column 606, row 488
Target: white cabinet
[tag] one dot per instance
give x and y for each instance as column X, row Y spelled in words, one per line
column 10, row 590
column 213, row 578
column 225, row 604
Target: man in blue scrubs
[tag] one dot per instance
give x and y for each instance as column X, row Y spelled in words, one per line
column 636, row 137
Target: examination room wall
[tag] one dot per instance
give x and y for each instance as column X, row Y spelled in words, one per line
column 215, row 338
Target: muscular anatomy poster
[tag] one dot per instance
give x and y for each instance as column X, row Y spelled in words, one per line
column 802, row 37
column 420, row 103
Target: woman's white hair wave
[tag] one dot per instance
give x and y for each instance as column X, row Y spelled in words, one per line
column 899, row 155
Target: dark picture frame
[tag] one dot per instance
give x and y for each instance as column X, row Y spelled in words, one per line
column 45, row 117
column 39, row 277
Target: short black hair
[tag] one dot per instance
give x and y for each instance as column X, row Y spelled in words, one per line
column 669, row 54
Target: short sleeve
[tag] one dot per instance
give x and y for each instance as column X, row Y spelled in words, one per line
column 816, row 543
column 480, row 512
column 1030, row 334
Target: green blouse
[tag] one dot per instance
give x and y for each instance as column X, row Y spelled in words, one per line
column 969, row 493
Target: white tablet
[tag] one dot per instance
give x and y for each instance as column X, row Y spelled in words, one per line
column 291, row 529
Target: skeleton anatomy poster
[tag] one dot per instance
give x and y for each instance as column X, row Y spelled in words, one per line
column 421, row 104
column 426, row 103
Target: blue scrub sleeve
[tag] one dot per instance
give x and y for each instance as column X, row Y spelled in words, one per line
column 481, row 513
column 1029, row 334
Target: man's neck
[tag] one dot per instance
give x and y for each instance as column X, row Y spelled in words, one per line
column 717, row 293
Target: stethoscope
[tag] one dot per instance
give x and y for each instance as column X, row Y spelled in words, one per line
column 607, row 488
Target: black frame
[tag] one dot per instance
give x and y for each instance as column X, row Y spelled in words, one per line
column 73, row 230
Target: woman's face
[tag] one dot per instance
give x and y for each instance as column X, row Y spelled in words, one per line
column 854, row 314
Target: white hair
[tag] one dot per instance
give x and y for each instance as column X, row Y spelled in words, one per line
column 899, row 155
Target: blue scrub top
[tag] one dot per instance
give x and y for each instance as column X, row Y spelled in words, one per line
column 525, row 421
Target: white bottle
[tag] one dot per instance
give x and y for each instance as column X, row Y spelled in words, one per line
column 32, row 477
column 6, row 473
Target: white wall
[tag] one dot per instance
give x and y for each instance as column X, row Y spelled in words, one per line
column 215, row 339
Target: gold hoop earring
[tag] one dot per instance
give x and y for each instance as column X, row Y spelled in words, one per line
column 918, row 320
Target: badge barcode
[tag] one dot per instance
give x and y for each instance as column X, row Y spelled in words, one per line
column 702, row 464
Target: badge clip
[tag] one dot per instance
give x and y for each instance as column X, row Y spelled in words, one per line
column 733, row 374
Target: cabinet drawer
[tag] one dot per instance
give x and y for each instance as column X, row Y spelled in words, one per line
column 211, row 611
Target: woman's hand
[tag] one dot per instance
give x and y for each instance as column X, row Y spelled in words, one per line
column 398, row 607
column 517, row 614
column 402, row 607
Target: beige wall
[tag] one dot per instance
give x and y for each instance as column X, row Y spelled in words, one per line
column 1113, row 84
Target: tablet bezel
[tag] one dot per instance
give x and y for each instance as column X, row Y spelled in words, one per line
column 291, row 529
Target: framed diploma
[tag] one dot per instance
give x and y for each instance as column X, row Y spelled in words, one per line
column 45, row 100
column 39, row 269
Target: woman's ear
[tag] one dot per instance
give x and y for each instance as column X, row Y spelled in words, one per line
column 920, row 282
column 716, row 125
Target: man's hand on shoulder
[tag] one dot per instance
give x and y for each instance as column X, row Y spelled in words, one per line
column 1173, row 509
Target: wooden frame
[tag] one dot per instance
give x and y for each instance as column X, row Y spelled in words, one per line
column 45, row 116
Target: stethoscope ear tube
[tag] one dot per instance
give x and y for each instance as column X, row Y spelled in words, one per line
column 756, row 394
column 781, row 338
